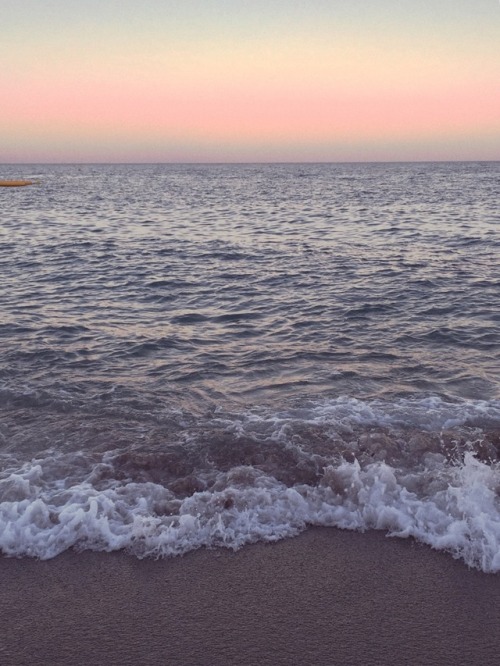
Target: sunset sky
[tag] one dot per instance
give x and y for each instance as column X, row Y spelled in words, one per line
column 249, row 80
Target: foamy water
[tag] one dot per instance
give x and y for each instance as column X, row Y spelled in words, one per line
column 213, row 356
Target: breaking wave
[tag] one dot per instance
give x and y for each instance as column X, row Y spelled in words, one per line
column 424, row 468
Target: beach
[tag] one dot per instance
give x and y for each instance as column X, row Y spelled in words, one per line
column 222, row 386
column 325, row 597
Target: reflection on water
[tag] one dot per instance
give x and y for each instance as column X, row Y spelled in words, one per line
column 214, row 355
column 251, row 282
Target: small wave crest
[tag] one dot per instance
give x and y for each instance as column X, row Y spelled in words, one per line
column 423, row 469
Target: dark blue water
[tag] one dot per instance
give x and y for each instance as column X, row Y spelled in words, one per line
column 210, row 355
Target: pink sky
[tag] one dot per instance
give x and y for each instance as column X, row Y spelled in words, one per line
column 342, row 89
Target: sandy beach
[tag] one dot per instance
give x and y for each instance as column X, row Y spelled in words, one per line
column 325, row 597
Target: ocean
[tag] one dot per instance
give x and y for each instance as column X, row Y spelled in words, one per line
column 214, row 355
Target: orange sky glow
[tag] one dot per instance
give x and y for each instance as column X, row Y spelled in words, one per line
column 179, row 86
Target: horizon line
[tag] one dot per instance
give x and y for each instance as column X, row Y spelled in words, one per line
column 244, row 162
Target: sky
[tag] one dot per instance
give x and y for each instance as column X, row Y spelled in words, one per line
column 249, row 80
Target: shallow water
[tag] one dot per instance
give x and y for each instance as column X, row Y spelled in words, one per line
column 211, row 355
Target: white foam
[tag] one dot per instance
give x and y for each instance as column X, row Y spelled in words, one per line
column 456, row 508
column 429, row 414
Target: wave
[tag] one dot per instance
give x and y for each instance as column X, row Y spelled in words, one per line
column 424, row 468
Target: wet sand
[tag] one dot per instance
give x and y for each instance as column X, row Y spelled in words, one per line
column 326, row 597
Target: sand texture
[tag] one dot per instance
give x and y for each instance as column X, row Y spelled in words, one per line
column 325, row 597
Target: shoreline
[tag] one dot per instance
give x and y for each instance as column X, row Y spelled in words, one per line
column 325, row 597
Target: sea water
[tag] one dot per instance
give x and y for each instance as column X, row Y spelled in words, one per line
column 213, row 355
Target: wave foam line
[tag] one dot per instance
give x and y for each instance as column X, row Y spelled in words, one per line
column 458, row 513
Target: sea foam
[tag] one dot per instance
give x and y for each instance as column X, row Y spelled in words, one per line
column 448, row 505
